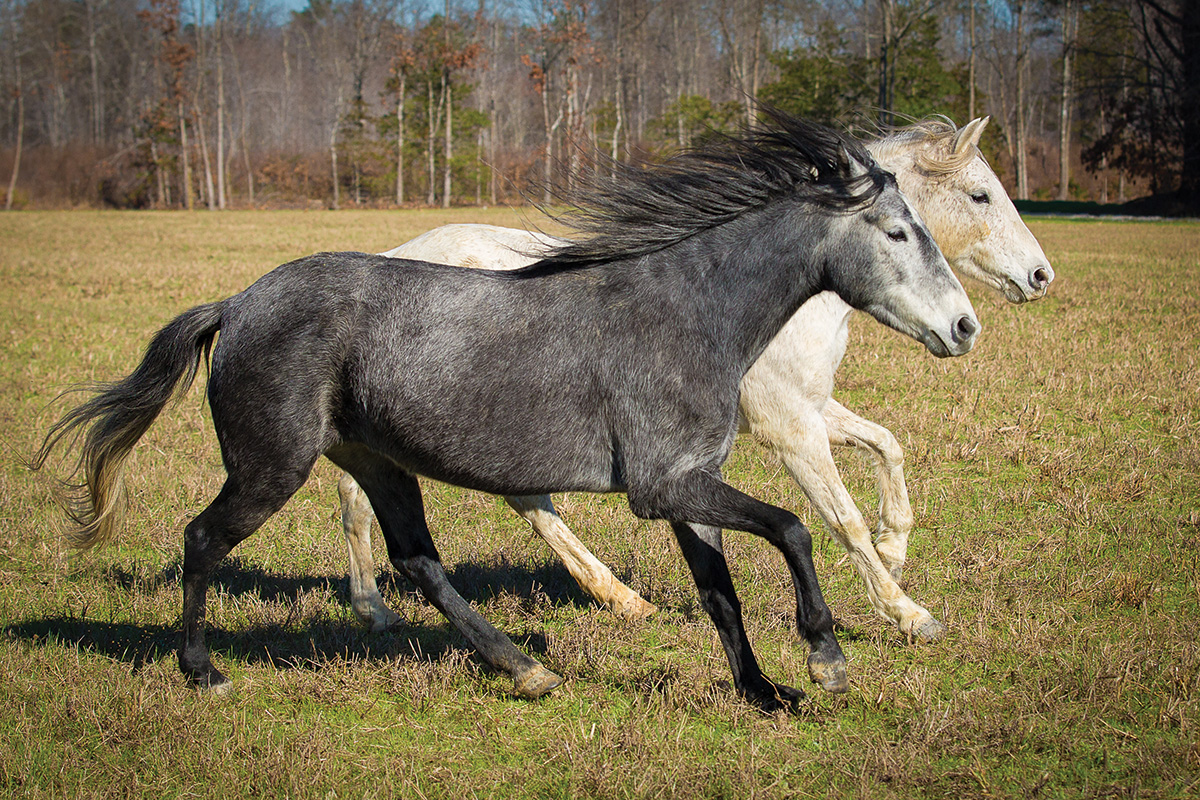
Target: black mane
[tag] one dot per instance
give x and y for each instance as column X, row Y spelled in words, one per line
column 641, row 208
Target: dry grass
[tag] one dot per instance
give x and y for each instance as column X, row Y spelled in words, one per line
column 1055, row 475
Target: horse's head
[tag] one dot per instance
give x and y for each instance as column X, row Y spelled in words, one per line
column 888, row 265
column 943, row 173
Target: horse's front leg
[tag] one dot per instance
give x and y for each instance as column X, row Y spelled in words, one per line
column 699, row 504
column 701, row 546
column 895, row 513
column 588, row 571
column 365, row 598
column 807, row 458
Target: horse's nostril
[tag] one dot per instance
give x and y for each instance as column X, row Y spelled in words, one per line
column 1041, row 278
column 965, row 327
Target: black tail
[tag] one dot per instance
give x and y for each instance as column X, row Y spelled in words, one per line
column 119, row 414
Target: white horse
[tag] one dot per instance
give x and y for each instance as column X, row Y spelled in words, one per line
column 786, row 397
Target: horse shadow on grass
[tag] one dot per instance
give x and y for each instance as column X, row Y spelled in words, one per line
column 321, row 639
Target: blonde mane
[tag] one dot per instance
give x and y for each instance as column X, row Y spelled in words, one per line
column 934, row 139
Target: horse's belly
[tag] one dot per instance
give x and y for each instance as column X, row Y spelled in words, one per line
column 503, row 444
column 501, row 466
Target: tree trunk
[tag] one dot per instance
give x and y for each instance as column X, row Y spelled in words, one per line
column 971, row 66
column 479, row 168
column 158, row 175
column 1103, row 159
column 220, row 106
column 448, row 93
column 1022, row 122
column 493, row 130
column 16, row 170
column 1124, row 99
column 237, row 72
column 400, row 137
column 94, row 63
column 448, row 99
column 548, row 161
column 333, row 164
column 189, row 201
column 210, row 198
column 618, row 84
column 1068, row 91
column 492, row 135
column 430, row 162
column 570, row 142
column 885, row 61
column 756, row 63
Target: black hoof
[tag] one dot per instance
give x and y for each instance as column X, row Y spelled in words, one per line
column 774, row 697
column 206, row 678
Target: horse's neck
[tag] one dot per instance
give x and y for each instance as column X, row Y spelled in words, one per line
column 754, row 273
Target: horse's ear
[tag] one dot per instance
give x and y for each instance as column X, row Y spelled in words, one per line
column 854, row 167
column 969, row 135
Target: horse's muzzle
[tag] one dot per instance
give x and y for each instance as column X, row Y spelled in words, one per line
column 963, row 332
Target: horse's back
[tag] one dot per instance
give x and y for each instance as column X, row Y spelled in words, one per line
column 477, row 246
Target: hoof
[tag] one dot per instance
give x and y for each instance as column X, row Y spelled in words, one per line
column 535, row 682
column 829, row 673
column 926, row 631
column 374, row 614
column 219, row 689
column 775, row 697
column 209, row 681
column 632, row 609
column 382, row 620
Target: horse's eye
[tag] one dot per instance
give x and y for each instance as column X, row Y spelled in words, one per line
column 981, row 198
column 898, row 235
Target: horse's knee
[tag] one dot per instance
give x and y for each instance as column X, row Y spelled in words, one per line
column 890, row 451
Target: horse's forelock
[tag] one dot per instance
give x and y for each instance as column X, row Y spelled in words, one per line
column 933, row 140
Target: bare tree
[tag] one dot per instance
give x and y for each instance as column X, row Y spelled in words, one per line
column 1069, row 25
column 18, row 91
column 741, row 26
column 896, row 22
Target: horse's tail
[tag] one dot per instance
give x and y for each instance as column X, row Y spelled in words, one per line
column 118, row 415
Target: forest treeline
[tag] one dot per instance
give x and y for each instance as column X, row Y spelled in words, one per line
column 216, row 103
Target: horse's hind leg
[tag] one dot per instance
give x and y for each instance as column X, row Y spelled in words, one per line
column 588, row 571
column 238, row 511
column 396, row 498
column 365, row 599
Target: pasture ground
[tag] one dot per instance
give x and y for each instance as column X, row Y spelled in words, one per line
column 1055, row 477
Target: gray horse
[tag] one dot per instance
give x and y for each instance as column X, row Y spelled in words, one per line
column 628, row 346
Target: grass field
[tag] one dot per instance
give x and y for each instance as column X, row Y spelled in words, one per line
column 1055, row 477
